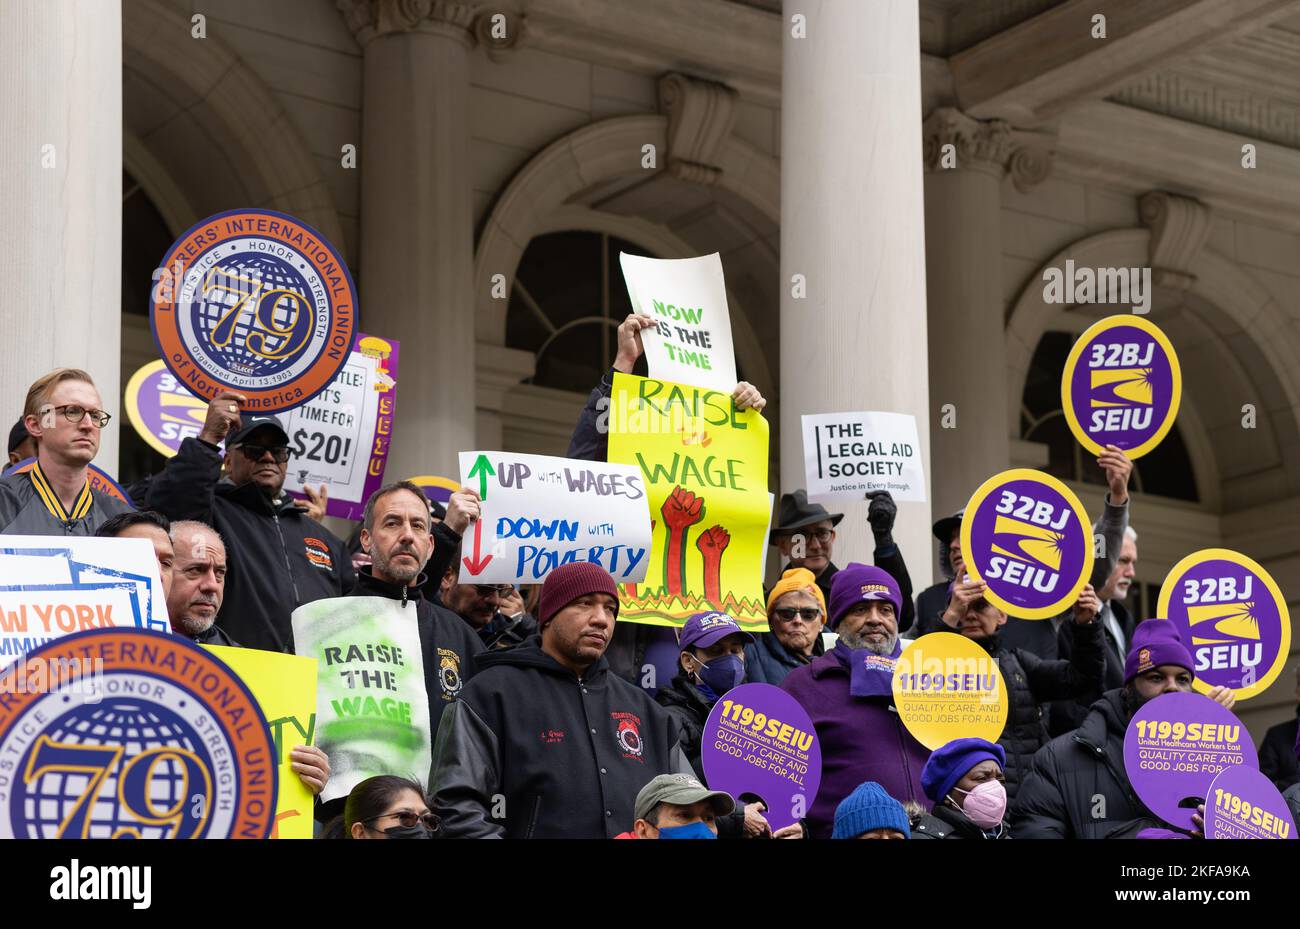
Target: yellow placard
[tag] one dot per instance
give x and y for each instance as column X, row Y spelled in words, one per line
column 948, row 687
column 705, row 468
column 285, row 687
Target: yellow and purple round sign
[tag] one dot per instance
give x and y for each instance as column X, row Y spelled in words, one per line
column 947, row 687
column 1121, row 386
column 1025, row 535
column 1232, row 616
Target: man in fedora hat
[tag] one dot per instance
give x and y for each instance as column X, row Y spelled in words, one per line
column 805, row 534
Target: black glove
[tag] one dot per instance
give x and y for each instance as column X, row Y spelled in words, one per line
column 881, row 514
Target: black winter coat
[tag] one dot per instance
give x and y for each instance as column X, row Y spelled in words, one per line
column 566, row 754
column 1066, row 715
column 1277, row 753
column 277, row 558
column 943, row 822
column 448, row 646
column 1031, row 682
column 1077, row 787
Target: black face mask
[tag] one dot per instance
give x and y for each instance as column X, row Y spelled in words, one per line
column 418, row 831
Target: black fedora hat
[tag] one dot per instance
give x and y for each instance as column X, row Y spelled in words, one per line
column 795, row 512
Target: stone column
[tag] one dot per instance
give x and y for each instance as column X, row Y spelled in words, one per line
column 61, row 187
column 417, row 236
column 965, row 161
column 852, row 228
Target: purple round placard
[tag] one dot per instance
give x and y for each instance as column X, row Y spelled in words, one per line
column 1245, row 804
column 758, row 740
column 1027, row 537
column 1121, row 386
column 1175, row 746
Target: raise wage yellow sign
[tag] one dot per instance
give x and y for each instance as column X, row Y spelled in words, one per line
column 705, row 469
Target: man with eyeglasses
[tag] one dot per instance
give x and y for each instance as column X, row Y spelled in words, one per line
column 805, row 534
column 63, row 415
column 279, row 557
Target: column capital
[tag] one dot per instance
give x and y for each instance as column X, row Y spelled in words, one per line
column 1179, row 227
column 700, row 116
column 988, row 145
column 370, row 19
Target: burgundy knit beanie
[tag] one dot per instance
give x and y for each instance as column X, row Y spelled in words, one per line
column 571, row 581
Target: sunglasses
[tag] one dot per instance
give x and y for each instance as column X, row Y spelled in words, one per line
column 487, row 590
column 255, row 452
column 409, row 818
column 787, row 614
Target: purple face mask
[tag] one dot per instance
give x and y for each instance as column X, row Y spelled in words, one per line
column 986, row 804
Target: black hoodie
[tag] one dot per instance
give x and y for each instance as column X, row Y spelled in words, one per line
column 277, row 558
column 532, row 751
column 448, row 645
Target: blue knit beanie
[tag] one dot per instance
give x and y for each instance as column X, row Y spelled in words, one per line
column 869, row 807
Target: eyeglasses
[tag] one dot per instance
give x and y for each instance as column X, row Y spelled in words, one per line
column 787, row 613
column 487, row 590
column 255, row 452
column 409, row 818
column 74, row 414
column 821, row 535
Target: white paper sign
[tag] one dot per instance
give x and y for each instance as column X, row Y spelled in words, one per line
column 53, row 586
column 688, row 299
column 540, row 512
column 340, row 437
column 849, row 454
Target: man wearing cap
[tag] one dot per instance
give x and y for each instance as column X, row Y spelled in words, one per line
column 677, row 806
column 21, row 444
column 963, row 779
column 545, row 742
column 710, row 663
column 796, row 615
column 1077, row 787
column 62, row 416
column 848, row 694
column 870, row 813
column 805, row 534
column 279, row 558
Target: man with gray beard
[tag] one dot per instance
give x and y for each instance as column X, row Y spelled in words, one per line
column 396, row 534
column 848, row 695
column 193, row 602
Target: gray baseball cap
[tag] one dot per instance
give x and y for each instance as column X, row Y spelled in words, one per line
column 679, row 790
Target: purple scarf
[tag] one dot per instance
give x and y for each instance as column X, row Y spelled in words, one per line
column 870, row 675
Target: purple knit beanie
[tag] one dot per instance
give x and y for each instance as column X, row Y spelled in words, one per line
column 1156, row 642
column 857, row 582
column 571, row 581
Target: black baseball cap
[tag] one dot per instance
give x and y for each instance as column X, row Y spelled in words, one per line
column 18, row 434
column 249, row 423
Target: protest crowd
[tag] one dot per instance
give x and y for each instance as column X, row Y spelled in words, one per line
column 542, row 721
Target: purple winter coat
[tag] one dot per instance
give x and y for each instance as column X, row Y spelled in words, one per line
column 861, row 739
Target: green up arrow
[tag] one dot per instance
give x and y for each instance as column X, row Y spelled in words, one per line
column 482, row 467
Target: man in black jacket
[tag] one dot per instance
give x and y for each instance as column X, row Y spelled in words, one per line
column 711, row 662
column 1277, row 753
column 1077, row 787
column 395, row 533
column 279, row 558
column 1032, row 681
column 545, row 742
